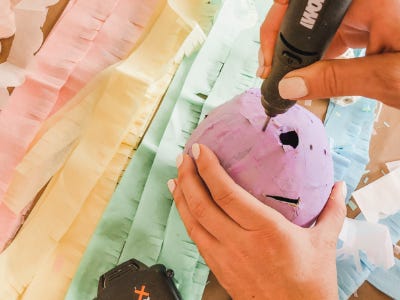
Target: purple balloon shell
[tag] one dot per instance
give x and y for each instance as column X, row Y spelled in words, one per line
column 288, row 167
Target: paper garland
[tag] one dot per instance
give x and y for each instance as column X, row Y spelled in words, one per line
column 117, row 219
column 151, row 204
column 124, row 23
column 142, row 78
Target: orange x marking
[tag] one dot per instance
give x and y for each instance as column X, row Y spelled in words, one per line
column 142, row 293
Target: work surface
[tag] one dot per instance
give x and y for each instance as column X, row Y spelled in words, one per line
column 384, row 147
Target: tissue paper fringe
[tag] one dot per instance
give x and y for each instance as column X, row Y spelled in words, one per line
column 20, row 118
column 193, row 277
column 387, row 281
column 191, row 13
column 46, row 157
column 114, row 226
column 84, row 42
column 150, row 204
column 141, row 79
column 90, row 53
column 62, row 263
column 351, row 132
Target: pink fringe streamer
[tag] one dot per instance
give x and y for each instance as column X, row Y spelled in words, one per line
column 90, row 36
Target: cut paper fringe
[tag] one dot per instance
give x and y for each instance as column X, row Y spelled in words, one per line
column 124, row 23
column 139, row 81
column 387, row 281
column 31, row 104
column 114, row 226
column 62, row 263
column 88, row 38
column 118, row 237
column 350, row 129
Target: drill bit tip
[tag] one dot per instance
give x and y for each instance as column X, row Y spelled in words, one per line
column 266, row 124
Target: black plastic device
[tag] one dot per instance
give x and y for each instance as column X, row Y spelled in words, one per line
column 306, row 31
column 133, row 280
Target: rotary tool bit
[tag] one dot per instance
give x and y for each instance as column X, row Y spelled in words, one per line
column 305, row 33
column 266, row 123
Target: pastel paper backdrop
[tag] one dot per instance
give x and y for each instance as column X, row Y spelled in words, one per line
column 137, row 84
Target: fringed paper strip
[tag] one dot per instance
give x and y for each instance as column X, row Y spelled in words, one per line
column 31, row 104
column 120, row 32
column 115, row 223
column 146, row 236
column 387, row 281
column 47, row 156
column 123, row 31
column 350, row 129
column 90, row 36
column 142, row 78
column 192, row 275
column 192, row 14
column 62, row 263
column 349, row 276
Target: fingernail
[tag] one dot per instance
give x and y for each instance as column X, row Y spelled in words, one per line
column 260, row 71
column 196, row 151
column 293, row 88
column 344, row 189
column 171, row 185
column 179, row 160
column 260, row 58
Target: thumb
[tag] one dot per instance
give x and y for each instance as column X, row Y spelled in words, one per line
column 375, row 76
column 330, row 221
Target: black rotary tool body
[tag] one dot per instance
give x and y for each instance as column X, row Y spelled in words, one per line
column 305, row 33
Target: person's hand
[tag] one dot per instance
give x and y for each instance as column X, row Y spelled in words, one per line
column 368, row 24
column 255, row 252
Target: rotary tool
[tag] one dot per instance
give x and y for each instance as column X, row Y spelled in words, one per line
column 306, row 31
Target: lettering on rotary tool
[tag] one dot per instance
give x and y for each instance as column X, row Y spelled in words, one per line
column 310, row 15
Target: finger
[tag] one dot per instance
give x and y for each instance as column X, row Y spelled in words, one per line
column 268, row 34
column 375, row 76
column 242, row 207
column 337, row 47
column 331, row 219
column 200, row 203
column 346, row 37
column 201, row 237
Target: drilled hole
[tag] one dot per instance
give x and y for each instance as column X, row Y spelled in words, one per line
column 311, row 147
column 289, row 138
column 294, row 202
column 325, row 151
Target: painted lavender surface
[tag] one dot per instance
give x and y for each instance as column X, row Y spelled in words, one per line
column 289, row 167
